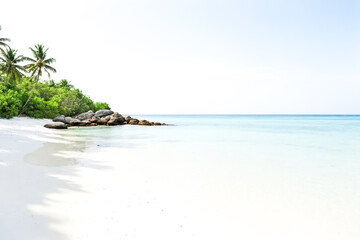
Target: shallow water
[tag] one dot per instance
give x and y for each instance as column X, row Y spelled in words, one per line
column 223, row 177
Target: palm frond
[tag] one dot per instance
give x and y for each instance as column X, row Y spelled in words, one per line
column 49, row 60
column 29, row 59
column 50, row 68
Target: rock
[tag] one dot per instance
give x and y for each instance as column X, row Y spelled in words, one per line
column 112, row 122
column 60, row 118
column 101, row 117
column 85, row 123
column 144, row 122
column 103, row 113
column 68, row 119
column 94, row 119
column 85, row 116
column 116, row 114
column 56, row 125
column 116, row 120
column 133, row 121
column 74, row 122
column 102, row 121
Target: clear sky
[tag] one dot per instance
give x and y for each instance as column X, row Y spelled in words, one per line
column 189, row 56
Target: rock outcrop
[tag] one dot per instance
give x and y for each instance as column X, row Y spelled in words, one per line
column 101, row 117
column 56, row 125
column 85, row 116
column 60, row 118
column 103, row 113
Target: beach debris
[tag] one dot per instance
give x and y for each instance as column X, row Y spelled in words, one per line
column 101, row 117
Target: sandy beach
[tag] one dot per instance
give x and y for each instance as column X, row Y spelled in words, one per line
column 239, row 180
column 57, row 184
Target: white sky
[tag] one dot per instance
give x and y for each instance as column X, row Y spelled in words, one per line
column 196, row 57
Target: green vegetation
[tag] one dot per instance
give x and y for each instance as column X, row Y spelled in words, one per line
column 28, row 95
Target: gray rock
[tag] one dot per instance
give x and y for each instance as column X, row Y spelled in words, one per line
column 85, row 122
column 85, row 116
column 117, row 115
column 68, row 120
column 56, row 125
column 103, row 113
column 60, row 118
column 116, row 121
column 74, row 122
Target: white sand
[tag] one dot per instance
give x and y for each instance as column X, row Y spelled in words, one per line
column 55, row 184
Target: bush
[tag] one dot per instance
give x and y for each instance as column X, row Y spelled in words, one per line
column 49, row 99
column 101, row 105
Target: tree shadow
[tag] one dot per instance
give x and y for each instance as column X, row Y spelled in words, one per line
column 28, row 180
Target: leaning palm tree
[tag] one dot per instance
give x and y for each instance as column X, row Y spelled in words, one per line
column 3, row 40
column 9, row 64
column 38, row 65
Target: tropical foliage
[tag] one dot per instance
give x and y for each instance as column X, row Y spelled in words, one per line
column 28, row 95
column 49, row 99
column 9, row 64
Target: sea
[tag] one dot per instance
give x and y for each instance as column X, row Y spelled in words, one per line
column 226, row 176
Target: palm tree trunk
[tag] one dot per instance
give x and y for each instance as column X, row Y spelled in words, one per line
column 31, row 93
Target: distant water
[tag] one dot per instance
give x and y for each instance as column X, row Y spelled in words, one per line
column 244, row 176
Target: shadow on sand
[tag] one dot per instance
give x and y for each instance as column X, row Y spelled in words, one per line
column 26, row 190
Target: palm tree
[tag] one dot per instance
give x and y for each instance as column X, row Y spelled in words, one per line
column 39, row 64
column 3, row 40
column 9, row 64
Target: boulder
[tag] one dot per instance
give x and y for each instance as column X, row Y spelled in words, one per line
column 85, row 123
column 85, row 116
column 102, row 121
column 68, row 119
column 116, row 119
column 133, row 121
column 117, row 115
column 74, row 122
column 144, row 122
column 103, row 113
column 157, row 124
column 56, row 125
column 60, row 118
column 94, row 119
column 93, row 124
